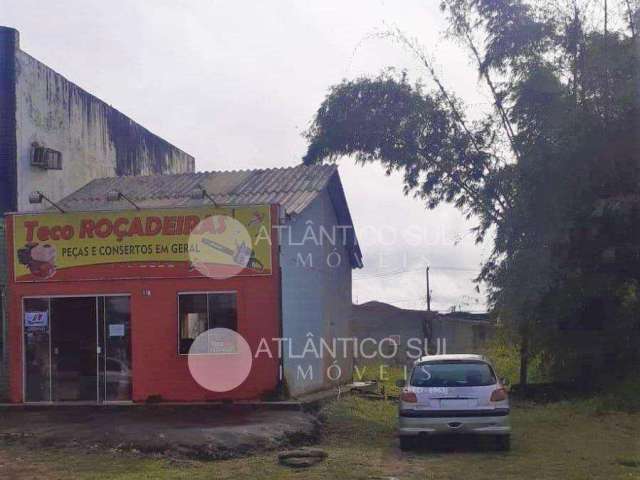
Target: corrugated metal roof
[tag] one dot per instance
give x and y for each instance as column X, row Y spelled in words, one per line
column 294, row 188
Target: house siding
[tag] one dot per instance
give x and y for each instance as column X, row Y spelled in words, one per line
column 316, row 298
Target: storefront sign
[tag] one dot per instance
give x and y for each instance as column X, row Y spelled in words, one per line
column 143, row 244
column 36, row 320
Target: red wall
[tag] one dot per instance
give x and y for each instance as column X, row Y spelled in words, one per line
column 157, row 367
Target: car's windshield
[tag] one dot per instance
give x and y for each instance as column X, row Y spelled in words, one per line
column 452, row 374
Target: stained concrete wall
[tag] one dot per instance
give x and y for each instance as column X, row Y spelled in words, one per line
column 40, row 106
column 458, row 332
column 8, row 45
column 381, row 321
column 316, row 298
column 95, row 139
column 463, row 335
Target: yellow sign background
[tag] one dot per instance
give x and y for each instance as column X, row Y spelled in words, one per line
column 48, row 246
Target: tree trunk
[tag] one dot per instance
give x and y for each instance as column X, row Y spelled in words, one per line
column 524, row 361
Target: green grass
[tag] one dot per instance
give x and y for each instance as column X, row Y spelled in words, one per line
column 624, row 396
column 554, row 441
column 629, row 462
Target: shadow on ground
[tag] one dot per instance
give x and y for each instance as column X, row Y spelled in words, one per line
column 455, row 444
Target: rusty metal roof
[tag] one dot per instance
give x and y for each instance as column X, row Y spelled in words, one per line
column 294, row 188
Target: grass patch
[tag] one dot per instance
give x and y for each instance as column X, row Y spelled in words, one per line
column 358, row 419
column 629, row 462
column 621, row 397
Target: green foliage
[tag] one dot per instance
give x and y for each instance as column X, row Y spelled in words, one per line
column 505, row 357
column 390, row 121
column 554, row 168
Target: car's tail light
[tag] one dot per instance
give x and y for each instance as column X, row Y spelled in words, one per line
column 499, row 395
column 408, row 397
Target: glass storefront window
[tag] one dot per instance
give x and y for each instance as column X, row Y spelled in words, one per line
column 199, row 312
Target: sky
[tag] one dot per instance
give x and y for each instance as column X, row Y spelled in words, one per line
column 236, row 84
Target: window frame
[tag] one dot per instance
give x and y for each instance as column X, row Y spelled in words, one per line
column 207, row 293
column 455, row 362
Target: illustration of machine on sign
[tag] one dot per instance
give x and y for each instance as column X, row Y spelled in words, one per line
column 242, row 255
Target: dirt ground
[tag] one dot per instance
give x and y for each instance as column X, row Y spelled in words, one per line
column 197, row 432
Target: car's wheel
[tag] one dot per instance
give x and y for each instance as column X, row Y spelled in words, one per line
column 407, row 443
column 503, row 443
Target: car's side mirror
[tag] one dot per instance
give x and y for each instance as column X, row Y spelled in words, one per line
column 504, row 381
column 400, row 383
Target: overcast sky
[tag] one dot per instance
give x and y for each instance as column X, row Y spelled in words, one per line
column 236, row 83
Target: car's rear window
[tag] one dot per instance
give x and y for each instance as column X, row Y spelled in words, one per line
column 452, row 374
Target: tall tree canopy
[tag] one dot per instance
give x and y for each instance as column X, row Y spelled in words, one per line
column 553, row 167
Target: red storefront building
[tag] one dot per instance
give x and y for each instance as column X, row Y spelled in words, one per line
column 117, row 331
column 107, row 296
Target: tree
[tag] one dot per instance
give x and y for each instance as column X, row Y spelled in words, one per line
column 545, row 168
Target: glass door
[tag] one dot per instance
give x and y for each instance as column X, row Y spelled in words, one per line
column 37, row 350
column 77, row 349
column 74, row 349
column 114, row 327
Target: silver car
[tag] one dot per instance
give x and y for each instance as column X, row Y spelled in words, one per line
column 453, row 394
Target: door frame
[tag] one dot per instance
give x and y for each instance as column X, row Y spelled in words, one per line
column 48, row 298
column 104, row 351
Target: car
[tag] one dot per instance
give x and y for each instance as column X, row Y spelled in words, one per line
column 453, row 394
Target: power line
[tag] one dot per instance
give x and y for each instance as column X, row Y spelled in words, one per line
column 420, row 302
column 401, row 272
column 387, row 274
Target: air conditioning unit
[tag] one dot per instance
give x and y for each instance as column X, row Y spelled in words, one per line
column 46, row 158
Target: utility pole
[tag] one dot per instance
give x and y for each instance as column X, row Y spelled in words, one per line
column 606, row 19
column 428, row 293
column 606, row 65
column 428, row 322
